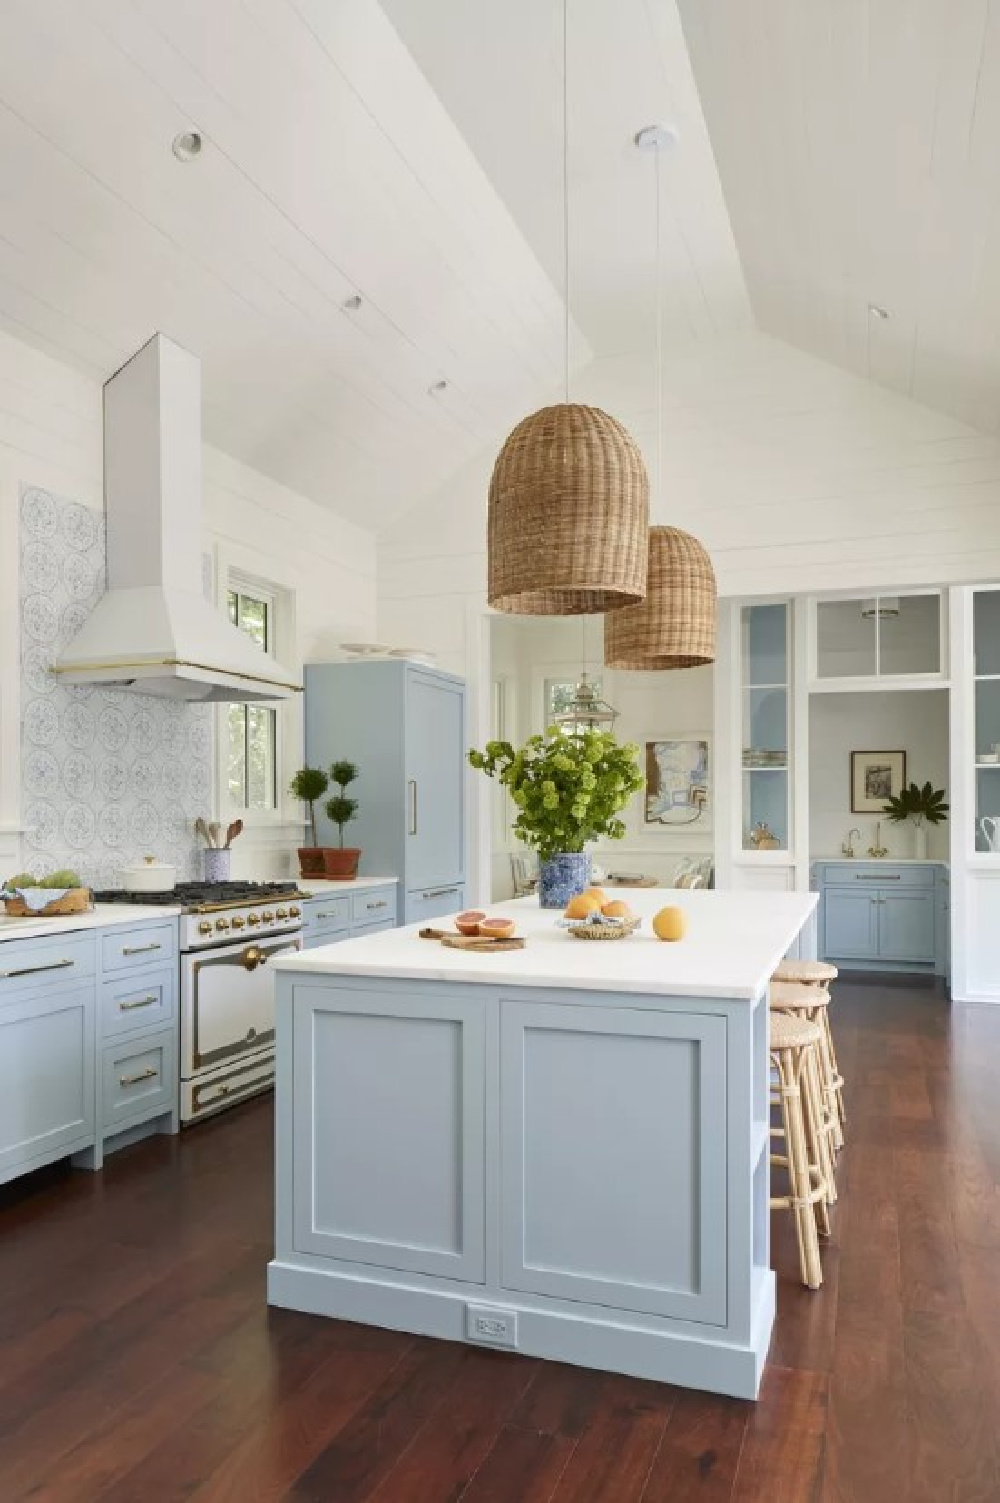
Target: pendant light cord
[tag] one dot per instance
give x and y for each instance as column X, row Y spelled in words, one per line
column 565, row 167
column 659, row 329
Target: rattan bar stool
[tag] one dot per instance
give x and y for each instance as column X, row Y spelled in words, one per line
column 794, row 1049
column 819, row 973
column 813, row 1003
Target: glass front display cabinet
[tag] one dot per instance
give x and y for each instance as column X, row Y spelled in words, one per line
column 765, row 678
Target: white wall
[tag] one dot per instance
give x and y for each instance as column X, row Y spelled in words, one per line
column 915, row 722
column 51, row 437
column 527, row 651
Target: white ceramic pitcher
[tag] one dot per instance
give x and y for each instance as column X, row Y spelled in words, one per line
column 990, row 827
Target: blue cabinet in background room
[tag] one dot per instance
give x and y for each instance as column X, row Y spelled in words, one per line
column 404, row 726
column 883, row 916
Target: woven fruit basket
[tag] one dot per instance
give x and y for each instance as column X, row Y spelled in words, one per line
column 76, row 900
column 604, row 931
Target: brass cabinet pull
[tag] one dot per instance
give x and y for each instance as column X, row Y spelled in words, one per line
column 148, row 1074
column 880, row 877
column 412, row 787
column 380, row 904
column 327, row 915
column 438, row 892
column 34, row 970
column 140, row 949
column 140, row 1002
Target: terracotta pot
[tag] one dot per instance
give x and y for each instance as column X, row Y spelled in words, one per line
column 341, row 864
column 311, row 862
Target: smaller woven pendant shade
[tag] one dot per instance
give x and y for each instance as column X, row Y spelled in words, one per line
column 674, row 627
column 568, row 516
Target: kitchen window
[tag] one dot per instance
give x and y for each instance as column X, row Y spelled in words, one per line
column 252, row 744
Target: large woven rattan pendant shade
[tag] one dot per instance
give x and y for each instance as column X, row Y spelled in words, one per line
column 674, row 627
column 568, row 516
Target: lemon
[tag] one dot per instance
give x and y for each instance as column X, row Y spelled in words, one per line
column 670, row 923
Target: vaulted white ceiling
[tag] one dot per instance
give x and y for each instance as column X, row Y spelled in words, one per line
column 859, row 147
column 330, row 169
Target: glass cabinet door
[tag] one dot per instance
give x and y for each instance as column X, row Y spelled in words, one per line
column 765, row 693
column 986, row 647
column 878, row 637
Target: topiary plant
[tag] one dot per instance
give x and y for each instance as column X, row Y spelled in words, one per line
column 919, row 804
column 309, row 785
column 341, row 809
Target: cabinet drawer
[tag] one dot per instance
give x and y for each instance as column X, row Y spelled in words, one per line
column 434, row 902
column 324, row 914
column 877, row 875
column 30, row 964
column 139, row 1079
column 360, row 930
column 130, row 1002
column 373, row 907
column 146, row 945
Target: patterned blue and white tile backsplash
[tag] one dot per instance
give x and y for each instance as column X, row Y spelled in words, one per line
column 107, row 776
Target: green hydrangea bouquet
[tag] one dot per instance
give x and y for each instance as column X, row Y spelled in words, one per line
column 568, row 789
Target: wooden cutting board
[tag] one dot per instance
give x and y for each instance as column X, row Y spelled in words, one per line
column 478, row 942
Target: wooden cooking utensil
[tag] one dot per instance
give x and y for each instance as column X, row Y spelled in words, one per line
column 234, row 830
column 201, row 828
column 215, row 833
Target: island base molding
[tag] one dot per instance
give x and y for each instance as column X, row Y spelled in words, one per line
column 641, row 1349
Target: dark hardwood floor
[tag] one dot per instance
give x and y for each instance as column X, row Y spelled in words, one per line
column 139, row 1363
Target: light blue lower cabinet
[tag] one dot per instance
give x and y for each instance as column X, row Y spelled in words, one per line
column 138, row 1079
column 429, row 903
column 881, row 917
column 47, row 1058
column 331, row 917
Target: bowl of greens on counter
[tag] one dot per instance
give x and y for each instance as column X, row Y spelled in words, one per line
column 56, row 896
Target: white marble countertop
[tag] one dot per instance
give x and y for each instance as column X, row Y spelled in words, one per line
column 102, row 916
column 733, row 944
column 316, row 887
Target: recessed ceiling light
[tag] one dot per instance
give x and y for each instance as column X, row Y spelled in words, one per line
column 878, row 312
column 656, row 137
column 352, row 304
column 437, row 388
column 186, row 146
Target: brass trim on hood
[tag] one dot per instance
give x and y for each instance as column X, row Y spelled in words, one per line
column 117, row 667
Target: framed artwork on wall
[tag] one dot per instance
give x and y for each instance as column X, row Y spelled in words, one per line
column 876, row 776
column 677, row 782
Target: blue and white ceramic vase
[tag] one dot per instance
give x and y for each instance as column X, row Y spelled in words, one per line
column 562, row 876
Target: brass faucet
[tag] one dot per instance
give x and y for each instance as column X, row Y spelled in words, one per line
column 847, row 849
column 878, row 849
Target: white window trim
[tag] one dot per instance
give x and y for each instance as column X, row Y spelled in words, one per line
column 234, row 569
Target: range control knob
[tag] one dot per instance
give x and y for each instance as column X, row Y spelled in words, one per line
column 253, row 919
column 267, row 916
column 222, row 925
column 295, row 911
column 237, row 922
column 282, row 913
column 205, row 927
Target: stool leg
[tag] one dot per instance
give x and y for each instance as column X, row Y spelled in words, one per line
column 837, row 1078
column 820, row 1152
column 798, row 1172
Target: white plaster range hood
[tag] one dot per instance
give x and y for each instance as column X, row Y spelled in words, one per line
column 154, row 631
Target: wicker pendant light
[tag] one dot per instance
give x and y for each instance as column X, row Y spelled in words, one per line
column 674, row 626
column 569, row 497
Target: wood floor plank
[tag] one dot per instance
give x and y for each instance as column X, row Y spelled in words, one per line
column 524, row 1465
column 953, row 1420
column 782, row 1456
column 700, row 1453
column 560, row 1400
column 614, row 1456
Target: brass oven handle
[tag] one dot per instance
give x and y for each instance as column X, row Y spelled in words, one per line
column 147, row 1074
column 412, row 787
column 140, row 949
column 141, row 1002
column 33, row 970
column 252, row 957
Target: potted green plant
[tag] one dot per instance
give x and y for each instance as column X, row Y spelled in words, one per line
column 568, row 790
column 922, row 806
column 342, row 861
column 309, row 785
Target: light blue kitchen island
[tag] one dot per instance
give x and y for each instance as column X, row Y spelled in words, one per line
column 561, row 1150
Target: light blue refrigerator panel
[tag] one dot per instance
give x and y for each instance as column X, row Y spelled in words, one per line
column 356, row 711
column 435, row 772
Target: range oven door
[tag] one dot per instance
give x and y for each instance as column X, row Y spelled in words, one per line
column 227, row 1002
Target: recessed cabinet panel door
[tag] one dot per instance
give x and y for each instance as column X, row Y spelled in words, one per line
column 46, row 1077
column 435, row 773
column 389, row 1130
column 906, row 925
column 613, row 1180
column 849, row 923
